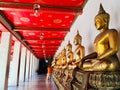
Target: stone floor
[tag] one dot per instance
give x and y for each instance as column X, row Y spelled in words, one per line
column 36, row 83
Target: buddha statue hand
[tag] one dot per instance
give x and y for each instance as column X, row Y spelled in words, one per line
column 78, row 62
column 90, row 56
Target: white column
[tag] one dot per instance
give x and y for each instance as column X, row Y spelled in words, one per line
column 31, row 58
column 32, row 65
column 14, row 65
column 22, row 64
column 27, row 64
column 35, row 65
column 4, row 59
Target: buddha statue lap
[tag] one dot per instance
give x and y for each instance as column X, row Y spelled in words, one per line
column 79, row 52
column 106, row 47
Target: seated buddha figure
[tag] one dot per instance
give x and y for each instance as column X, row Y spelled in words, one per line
column 69, row 54
column 64, row 61
column 58, row 63
column 60, row 60
column 53, row 63
column 106, row 46
column 79, row 52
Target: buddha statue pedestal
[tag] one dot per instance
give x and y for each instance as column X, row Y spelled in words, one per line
column 105, row 80
column 84, row 80
column 68, row 78
column 76, row 79
column 63, row 78
column 80, row 81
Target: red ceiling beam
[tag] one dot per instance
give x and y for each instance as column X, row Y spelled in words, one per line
column 50, row 52
column 40, row 48
column 49, row 49
column 20, row 28
column 30, row 39
column 44, row 44
column 24, row 6
column 41, row 51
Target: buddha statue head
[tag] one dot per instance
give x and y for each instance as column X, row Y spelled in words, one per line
column 69, row 46
column 77, row 39
column 102, row 19
column 63, row 51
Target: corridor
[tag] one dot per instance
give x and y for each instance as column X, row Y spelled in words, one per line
column 36, row 83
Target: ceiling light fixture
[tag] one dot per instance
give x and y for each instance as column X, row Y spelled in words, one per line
column 36, row 8
column 43, row 45
column 41, row 36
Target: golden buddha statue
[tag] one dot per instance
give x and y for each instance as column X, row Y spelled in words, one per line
column 69, row 53
column 106, row 46
column 56, row 62
column 79, row 51
column 64, row 61
column 53, row 63
column 59, row 60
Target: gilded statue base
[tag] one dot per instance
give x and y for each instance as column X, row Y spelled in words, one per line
column 76, row 79
column 80, row 81
column 63, row 78
column 105, row 80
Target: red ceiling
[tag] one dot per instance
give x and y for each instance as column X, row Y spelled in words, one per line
column 63, row 3
column 43, row 34
column 48, row 18
column 31, row 35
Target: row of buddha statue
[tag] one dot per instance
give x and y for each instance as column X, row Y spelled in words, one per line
column 106, row 46
column 99, row 70
column 69, row 59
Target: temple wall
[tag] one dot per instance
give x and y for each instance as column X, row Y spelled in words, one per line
column 85, row 23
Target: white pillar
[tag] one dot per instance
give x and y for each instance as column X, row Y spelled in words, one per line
column 35, row 65
column 4, row 59
column 22, row 64
column 14, row 65
column 32, row 65
column 27, row 65
column 31, row 58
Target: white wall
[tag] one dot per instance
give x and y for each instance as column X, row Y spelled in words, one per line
column 35, row 65
column 85, row 23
